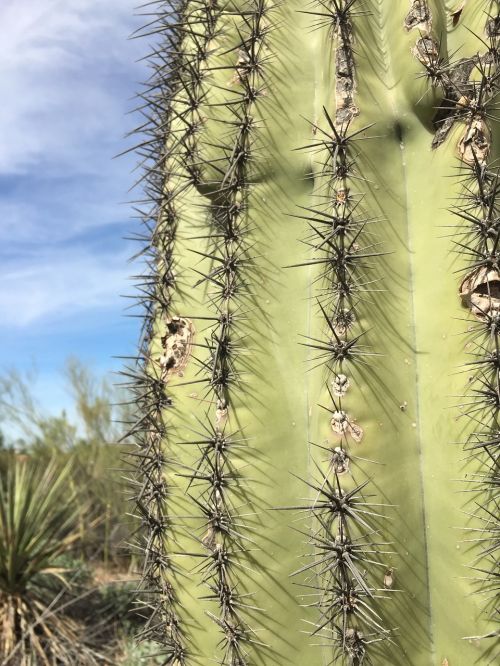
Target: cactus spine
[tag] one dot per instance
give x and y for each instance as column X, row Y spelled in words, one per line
column 296, row 473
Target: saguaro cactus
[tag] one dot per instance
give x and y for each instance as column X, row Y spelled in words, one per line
column 318, row 385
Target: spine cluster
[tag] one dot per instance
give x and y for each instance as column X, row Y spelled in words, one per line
column 215, row 483
column 343, row 538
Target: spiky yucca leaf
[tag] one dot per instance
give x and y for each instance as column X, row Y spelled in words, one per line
column 38, row 525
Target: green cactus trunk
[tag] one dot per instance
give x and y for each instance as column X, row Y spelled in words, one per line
column 317, row 386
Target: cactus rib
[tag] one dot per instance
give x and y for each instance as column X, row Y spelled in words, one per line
column 343, row 519
column 214, row 477
column 477, row 235
column 174, row 69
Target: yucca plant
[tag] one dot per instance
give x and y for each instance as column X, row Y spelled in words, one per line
column 87, row 443
column 317, row 384
column 38, row 519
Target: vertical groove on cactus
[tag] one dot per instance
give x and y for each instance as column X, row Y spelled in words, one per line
column 345, row 531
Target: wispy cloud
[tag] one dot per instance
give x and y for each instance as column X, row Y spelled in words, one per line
column 57, row 286
column 38, row 208
column 67, row 76
column 63, row 64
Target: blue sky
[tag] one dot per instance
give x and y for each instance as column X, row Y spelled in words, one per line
column 68, row 73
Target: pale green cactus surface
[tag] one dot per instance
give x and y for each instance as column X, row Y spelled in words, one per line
column 317, row 386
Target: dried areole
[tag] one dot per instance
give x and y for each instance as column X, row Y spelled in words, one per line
column 419, row 17
column 343, row 424
column 340, row 385
column 342, row 196
column 426, row 50
column 474, row 146
column 480, row 292
column 221, row 413
column 340, row 460
column 176, row 343
column 389, row 578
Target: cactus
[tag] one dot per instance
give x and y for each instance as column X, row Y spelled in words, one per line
column 317, row 383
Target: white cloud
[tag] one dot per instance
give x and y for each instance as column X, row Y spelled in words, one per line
column 67, row 76
column 67, row 73
column 37, row 210
column 62, row 66
column 59, row 286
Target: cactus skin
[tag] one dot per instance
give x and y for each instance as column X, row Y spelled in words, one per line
column 264, row 121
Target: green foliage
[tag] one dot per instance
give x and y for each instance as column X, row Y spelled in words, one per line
column 88, row 444
column 134, row 654
column 37, row 524
column 38, row 519
column 62, row 528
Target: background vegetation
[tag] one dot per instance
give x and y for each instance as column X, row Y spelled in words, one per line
column 66, row 574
